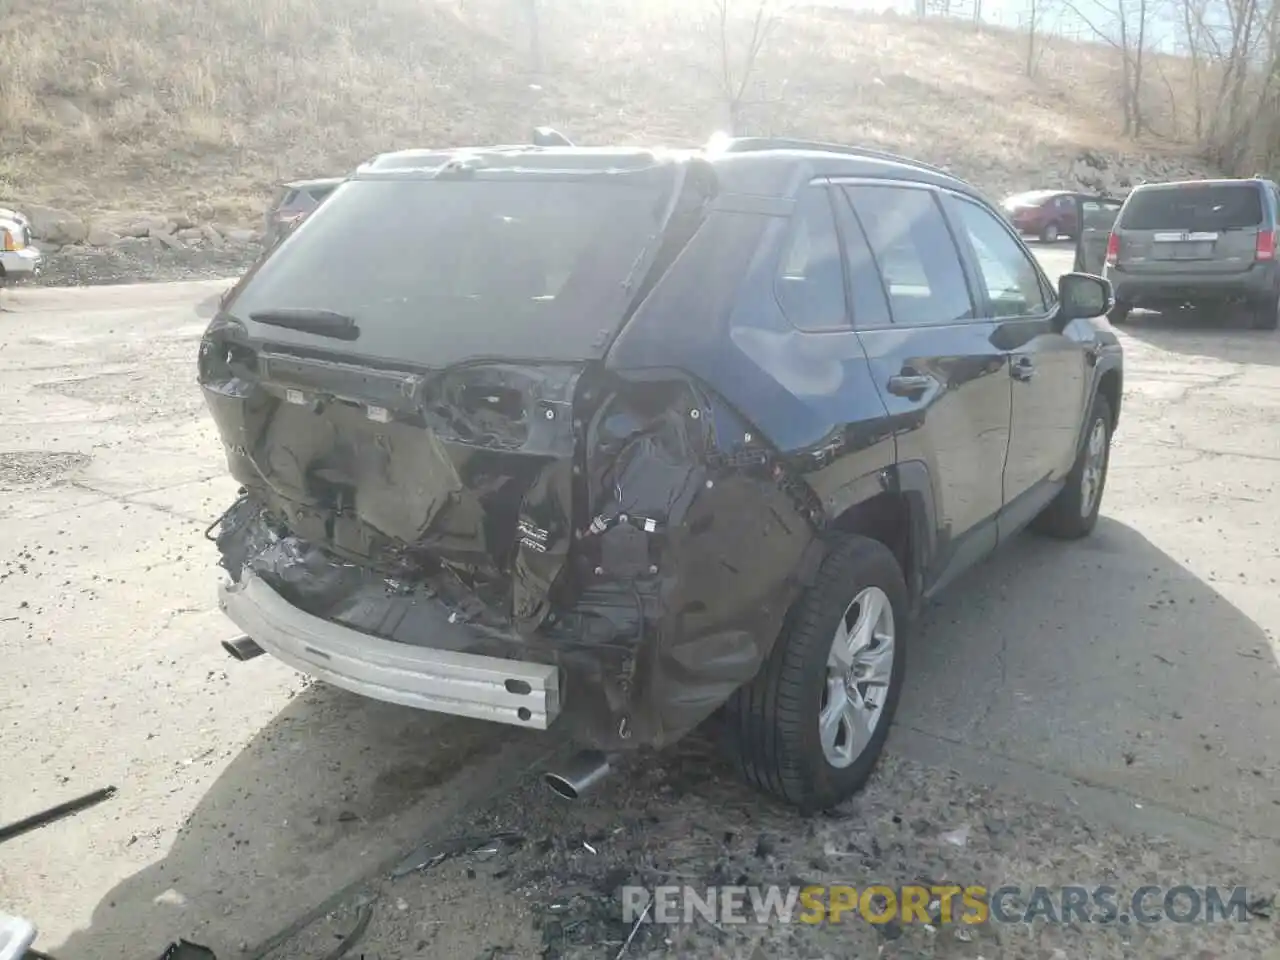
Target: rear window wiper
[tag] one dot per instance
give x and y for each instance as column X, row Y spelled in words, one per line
column 325, row 323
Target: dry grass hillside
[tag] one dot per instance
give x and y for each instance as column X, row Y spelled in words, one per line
column 159, row 105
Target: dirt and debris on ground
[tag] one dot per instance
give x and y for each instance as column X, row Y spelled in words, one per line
column 550, row 884
column 1116, row 690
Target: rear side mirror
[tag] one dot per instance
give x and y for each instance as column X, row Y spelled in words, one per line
column 1082, row 295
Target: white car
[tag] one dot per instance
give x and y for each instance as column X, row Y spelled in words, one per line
column 19, row 260
column 16, row 937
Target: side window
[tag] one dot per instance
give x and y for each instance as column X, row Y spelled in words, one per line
column 866, row 289
column 1008, row 274
column 810, row 281
column 917, row 258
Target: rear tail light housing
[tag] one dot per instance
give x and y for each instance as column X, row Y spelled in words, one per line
column 7, row 241
column 1266, row 245
column 1113, row 249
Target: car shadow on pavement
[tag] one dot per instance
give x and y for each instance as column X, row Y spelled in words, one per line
column 1109, row 662
column 1103, row 660
column 322, row 797
column 1222, row 334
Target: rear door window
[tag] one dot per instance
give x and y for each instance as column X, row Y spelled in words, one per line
column 917, row 257
column 1100, row 214
column 867, row 298
column 1195, row 206
column 810, row 281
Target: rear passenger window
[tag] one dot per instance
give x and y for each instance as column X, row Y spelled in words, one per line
column 915, row 252
column 810, row 282
column 866, row 289
column 1010, row 278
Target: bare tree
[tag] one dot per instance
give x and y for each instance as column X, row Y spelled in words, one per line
column 741, row 39
column 533, row 10
column 1232, row 58
column 1037, row 13
column 1191, row 20
column 1128, row 36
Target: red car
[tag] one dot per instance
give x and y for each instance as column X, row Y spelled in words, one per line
column 1046, row 214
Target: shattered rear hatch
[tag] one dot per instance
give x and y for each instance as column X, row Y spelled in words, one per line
column 432, row 452
column 411, row 433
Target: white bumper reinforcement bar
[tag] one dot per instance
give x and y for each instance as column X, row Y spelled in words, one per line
column 443, row 681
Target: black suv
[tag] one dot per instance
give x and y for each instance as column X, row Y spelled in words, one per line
column 606, row 440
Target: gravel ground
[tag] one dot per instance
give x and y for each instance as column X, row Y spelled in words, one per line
column 553, row 888
column 1097, row 713
column 142, row 263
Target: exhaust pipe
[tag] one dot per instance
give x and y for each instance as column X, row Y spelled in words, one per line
column 582, row 773
column 242, row 648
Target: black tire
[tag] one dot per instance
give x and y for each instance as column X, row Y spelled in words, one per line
column 1065, row 516
column 1263, row 316
column 1119, row 314
column 1049, row 233
column 772, row 722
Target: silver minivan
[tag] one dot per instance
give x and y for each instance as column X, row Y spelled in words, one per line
column 1199, row 242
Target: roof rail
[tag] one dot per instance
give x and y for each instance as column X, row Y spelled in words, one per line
column 751, row 144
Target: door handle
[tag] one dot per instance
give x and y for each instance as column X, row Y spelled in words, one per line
column 1023, row 369
column 910, row 385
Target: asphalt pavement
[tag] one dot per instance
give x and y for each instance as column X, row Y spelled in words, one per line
column 1132, row 680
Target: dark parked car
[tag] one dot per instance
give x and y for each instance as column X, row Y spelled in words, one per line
column 604, row 440
column 1044, row 214
column 1197, row 242
column 293, row 203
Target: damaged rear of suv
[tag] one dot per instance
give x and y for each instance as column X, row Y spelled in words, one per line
column 547, row 452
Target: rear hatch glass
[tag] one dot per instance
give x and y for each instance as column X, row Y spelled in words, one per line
column 1198, row 207
column 1215, row 224
column 435, row 271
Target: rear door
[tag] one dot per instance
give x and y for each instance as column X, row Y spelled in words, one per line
column 1064, row 214
column 936, row 363
column 1202, row 227
column 1097, row 217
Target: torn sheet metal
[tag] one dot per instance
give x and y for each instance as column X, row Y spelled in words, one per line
column 636, row 534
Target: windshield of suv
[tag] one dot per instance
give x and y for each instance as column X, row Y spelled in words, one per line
column 433, row 272
column 1196, row 206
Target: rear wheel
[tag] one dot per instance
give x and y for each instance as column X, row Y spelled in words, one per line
column 1049, row 233
column 1073, row 513
column 1263, row 315
column 1119, row 314
column 811, row 726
